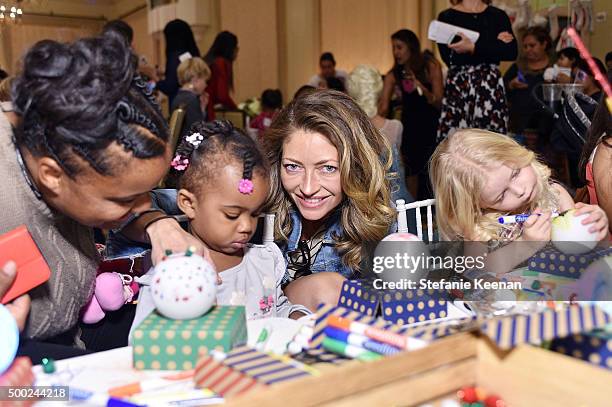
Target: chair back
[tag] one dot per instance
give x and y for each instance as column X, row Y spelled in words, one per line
column 417, row 206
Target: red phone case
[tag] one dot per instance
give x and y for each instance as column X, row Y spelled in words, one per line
column 32, row 269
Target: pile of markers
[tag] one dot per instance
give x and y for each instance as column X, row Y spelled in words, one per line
column 364, row 342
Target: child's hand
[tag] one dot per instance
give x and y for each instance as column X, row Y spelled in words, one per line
column 597, row 219
column 167, row 234
column 537, row 227
column 20, row 306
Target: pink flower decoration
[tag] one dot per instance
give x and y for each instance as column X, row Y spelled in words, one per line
column 245, row 186
column 179, row 163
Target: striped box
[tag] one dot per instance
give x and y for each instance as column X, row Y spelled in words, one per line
column 245, row 369
column 507, row 332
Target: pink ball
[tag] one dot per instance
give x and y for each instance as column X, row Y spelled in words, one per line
column 401, row 237
column 109, row 291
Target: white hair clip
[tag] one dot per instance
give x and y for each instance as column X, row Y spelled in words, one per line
column 195, row 139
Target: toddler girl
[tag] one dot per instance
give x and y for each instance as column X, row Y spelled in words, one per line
column 223, row 191
column 479, row 176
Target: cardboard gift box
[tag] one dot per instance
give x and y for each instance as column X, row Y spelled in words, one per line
column 552, row 261
column 494, row 354
column 165, row 344
column 594, row 347
column 245, row 369
column 397, row 306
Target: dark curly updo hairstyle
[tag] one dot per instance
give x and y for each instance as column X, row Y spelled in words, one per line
column 76, row 99
column 219, row 143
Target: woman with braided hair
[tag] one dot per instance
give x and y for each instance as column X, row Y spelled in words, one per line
column 89, row 145
column 223, row 191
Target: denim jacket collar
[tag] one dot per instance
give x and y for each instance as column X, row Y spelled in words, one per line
column 333, row 229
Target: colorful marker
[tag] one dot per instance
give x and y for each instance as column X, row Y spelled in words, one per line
column 149, row 384
column 350, row 351
column 520, row 218
column 98, row 399
column 380, row 335
column 361, row 341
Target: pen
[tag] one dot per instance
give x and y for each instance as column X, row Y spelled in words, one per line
column 98, row 399
column 361, row 341
column 149, row 384
column 350, row 351
column 520, row 218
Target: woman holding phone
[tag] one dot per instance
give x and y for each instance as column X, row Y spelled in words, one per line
column 474, row 94
column 418, row 77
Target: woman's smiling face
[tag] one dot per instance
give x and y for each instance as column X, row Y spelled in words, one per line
column 310, row 174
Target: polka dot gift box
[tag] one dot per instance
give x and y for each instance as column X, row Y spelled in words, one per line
column 594, row 347
column 160, row 343
column 552, row 261
column 398, row 306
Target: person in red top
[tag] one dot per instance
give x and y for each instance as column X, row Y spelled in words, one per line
column 220, row 58
column 271, row 104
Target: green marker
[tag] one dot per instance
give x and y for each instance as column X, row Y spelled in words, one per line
column 263, row 338
column 351, row 351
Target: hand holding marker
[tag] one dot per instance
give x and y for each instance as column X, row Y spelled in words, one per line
column 520, row 218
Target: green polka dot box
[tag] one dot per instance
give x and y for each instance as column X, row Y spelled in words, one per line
column 594, row 346
column 552, row 261
column 160, row 343
column 397, row 306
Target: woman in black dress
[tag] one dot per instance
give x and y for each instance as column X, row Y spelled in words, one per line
column 418, row 77
column 474, row 94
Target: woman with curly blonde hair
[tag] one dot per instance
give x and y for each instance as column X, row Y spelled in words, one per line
column 479, row 176
column 329, row 192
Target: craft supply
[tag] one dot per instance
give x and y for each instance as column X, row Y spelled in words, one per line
column 184, row 286
column 397, row 340
column 98, row 399
column 263, row 337
column 31, row 268
column 150, row 384
column 520, row 218
column 361, row 341
column 48, row 365
column 570, row 236
column 350, row 351
column 199, row 396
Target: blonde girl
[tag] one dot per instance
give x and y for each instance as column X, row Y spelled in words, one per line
column 479, row 176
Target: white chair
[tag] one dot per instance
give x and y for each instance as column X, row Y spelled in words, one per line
column 402, row 222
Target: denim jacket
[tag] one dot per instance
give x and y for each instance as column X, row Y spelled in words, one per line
column 328, row 258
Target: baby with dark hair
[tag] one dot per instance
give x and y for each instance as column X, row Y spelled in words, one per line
column 223, row 191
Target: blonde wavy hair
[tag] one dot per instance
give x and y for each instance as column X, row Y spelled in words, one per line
column 458, row 170
column 192, row 68
column 366, row 214
column 365, row 85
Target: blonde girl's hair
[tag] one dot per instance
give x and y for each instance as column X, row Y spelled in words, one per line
column 192, row 68
column 458, row 170
column 365, row 86
column 366, row 214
